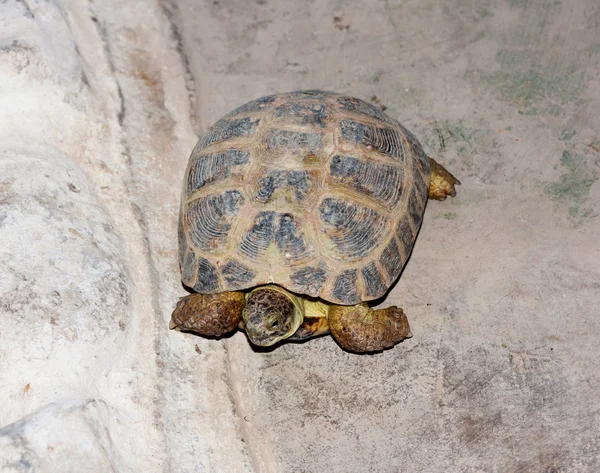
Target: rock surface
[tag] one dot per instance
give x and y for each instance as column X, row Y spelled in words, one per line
column 100, row 106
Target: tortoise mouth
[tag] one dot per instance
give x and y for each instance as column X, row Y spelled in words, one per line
column 270, row 316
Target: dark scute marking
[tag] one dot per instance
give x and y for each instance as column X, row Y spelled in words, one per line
column 415, row 209
column 188, row 269
column 355, row 230
column 303, row 113
column 344, row 166
column 209, row 219
column 391, row 261
column 253, row 106
column 386, row 140
column 226, row 129
column 301, row 182
column 207, row 277
column 290, row 242
column 236, row 274
column 280, row 228
column 181, row 240
column 268, row 185
column 344, row 288
column 378, row 180
column 420, row 185
column 416, row 150
column 309, row 280
column 295, row 140
column 213, row 167
column 298, row 181
column 232, row 201
column 373, row 280
column 255, row 242
column 406, row 236
column 355, row 105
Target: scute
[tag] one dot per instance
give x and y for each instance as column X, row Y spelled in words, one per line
column 344, row 288
column 292, row 186
column 254, row 243
column 278, row 229
column 391, row 261
column 236, row 275
column 318, row 192
column 302, row 114
column 384, row 139
column 290, row 240
column 226, row 129
column 415, row 207
column 405, row 234
column 382, row 181
column 299, row 143
column 207, row 280
column 351, row 104
column 309, row 280
column 209, row 220
column 373, row 280
column 355, row 231
column 211, row 167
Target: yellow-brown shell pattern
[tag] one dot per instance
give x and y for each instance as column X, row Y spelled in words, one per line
column 318, row 192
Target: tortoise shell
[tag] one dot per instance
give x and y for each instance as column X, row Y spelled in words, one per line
column 320, row 193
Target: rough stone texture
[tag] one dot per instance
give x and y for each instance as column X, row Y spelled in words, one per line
column 100, row 105
column 68, row 438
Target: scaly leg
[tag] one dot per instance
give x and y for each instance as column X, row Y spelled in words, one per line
column 210, row 315
column 359, row 328
column 441, row 184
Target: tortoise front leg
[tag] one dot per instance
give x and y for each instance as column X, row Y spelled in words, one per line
column 359, row 328
column 211, row 315
column 441, row 183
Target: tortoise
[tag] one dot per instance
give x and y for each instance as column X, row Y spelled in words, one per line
column 296, row 210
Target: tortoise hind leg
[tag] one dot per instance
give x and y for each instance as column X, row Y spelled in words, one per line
column 211, row 315
column 441, row 184
column 359, row 328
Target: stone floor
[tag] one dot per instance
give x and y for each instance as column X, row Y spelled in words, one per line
column 101, row 103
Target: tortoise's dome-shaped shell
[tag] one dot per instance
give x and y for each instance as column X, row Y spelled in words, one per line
column 318, row 192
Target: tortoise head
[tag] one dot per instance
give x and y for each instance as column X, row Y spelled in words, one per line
column 271, row 314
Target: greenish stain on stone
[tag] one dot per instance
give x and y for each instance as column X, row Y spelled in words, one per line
column 566, row 135
column 535, row 88
column 593, row 52
column 572, row 189
column 543, row 4
column 467, row 11
column 460, row 132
